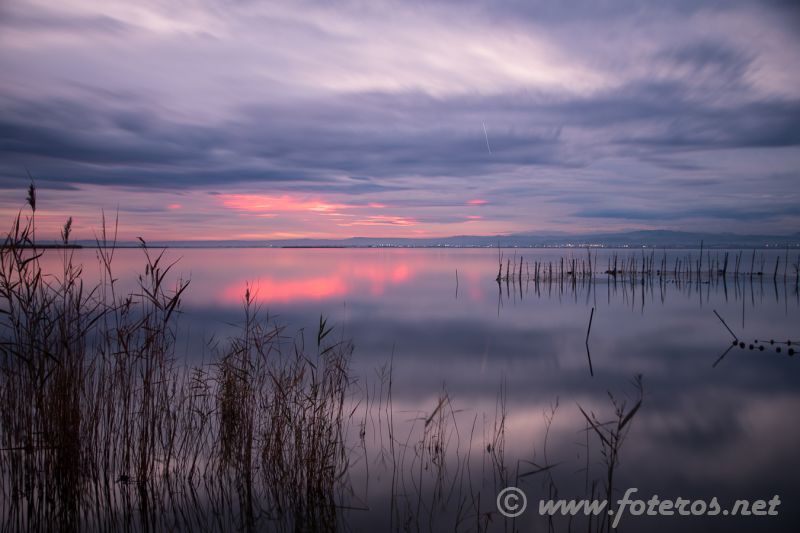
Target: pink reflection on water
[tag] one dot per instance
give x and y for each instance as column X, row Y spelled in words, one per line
column 411, row 277
column 379, row 276
column 475, row 287
column 286, row 290
column 287, row 276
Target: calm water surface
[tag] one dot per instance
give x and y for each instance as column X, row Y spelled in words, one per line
column 446, row 326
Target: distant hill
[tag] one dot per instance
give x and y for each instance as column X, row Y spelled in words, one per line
column 643, row 238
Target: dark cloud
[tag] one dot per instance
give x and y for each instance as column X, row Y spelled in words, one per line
column 757, row 124
column 734, row 212
column 672, row 163
column 79, row 132
column 360, row 136
column 32, row 19
column 581, row 10
column 711, row 58
column 139, row 148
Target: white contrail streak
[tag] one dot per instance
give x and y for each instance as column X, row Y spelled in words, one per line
column 487, row 137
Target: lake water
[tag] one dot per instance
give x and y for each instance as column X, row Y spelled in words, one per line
column 445, row 326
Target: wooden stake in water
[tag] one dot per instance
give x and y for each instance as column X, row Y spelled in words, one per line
column 589, row 355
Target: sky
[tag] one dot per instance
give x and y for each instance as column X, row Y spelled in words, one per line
column 210, row 119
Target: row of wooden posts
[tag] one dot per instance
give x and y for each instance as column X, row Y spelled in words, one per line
column 632, row 267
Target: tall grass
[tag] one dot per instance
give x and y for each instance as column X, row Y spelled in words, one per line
column 101, row 428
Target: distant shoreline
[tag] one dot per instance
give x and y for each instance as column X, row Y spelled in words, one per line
column 183, row 246
column 631, row 240
column 48, row 246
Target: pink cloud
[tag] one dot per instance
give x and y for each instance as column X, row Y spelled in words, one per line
column 262, row 203
column 382, row 221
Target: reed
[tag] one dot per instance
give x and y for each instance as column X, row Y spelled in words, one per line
column 103, row 428
column 611, row 435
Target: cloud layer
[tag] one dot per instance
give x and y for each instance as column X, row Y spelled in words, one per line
column 681, row 115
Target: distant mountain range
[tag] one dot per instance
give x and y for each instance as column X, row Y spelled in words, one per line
column 644, row 238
